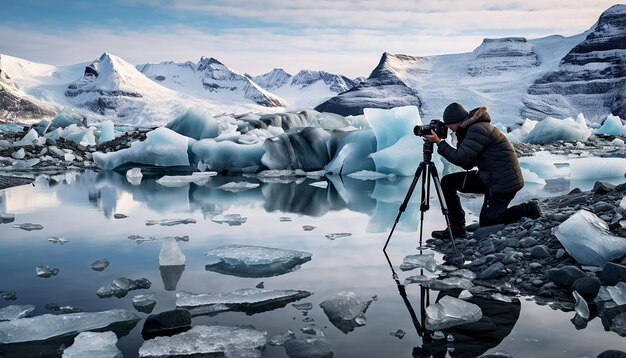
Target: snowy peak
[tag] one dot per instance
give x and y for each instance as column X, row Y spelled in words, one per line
column 336, row 83
column 272, row 80
column 210, row 79
column 590, row 79
column 496, row 56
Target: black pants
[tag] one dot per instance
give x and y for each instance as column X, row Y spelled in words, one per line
column 495, row 208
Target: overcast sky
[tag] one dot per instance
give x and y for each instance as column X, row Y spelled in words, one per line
column 255, row 36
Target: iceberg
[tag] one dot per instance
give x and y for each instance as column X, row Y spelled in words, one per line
column 107, row 132
column 551, row 129
column 93, row 345
column 402, row 158
column 597, row 168
column 248, row 300
column 170, row 222
column 389, row 125
column 298, row 148
column 254, row 261
column 222, row 341
column 79, row 135
column 586, row 238
column 450, row 312
column 350, row 151
column 162, row 147
column 195, row 123
column 13, row 312
column 145, row 303
column 612, row 126
column 346, row 310
column 170, row 254
column 47, row 326
column 228, row 156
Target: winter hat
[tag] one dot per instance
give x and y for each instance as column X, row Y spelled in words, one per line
column 454, row 113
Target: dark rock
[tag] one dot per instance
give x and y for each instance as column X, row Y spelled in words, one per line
column 601, row 207
column 510, row 258
column 612, row 353
column 528, row 242
column 540, row 252
column 486, row 247
column 613, row 273
column 601, row 187
column 565, row 276
column 587, row 287
column 485, row 231
column 493, row 271
column 621, row 187
column 166, row 323
column 509, row 242
column 472, row 227
column 575, row 191
column 608, row 315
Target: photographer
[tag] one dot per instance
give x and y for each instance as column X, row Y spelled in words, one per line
column 499, row 176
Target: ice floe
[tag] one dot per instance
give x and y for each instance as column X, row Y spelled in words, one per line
column 346, row 310
column 450, row 312
column 93, row 345
column 13, row 312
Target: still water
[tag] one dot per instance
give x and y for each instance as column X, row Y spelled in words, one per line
column 81, row 208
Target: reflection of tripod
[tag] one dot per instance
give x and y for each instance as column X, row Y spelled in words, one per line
column 426, row 169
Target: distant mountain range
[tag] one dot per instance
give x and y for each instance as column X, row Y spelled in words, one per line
column 514, row 77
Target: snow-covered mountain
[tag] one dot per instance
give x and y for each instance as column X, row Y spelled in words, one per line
column 210, row 79
column 305, row 89
column 591, row 78
column 514, row 77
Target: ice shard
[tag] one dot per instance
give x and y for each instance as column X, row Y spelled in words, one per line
column 237, row 186
column 346, row 310
column 254, row 261
column 450, row 312
column 199, row 178
column 581, row 307
column 47, row 326
column 248, row 300
column 211, row 341
column 586, row 238
column 170, row 254
column 305, row 347
column 93, row 345
column 230, row 219
column 14, row 312
column 426, row 261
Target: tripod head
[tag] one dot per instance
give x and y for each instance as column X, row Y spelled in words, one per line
column 428, row 151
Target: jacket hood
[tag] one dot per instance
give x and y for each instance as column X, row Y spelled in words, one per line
column 478, row 114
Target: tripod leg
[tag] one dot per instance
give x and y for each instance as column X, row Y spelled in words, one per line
column 444, row 208
column 405, row 203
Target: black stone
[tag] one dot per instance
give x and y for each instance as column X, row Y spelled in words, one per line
column 485, row 231
column 493, row 271
column 613, row 273
column 540, row 252
column 587, row 287
column 601, row 187
column 612, row 353
column 565, row 276
column 166, row 323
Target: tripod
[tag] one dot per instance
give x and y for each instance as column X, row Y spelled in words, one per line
column 427, row 170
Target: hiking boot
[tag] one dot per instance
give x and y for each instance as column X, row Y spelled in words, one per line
column 533, row 211
column 458, row 232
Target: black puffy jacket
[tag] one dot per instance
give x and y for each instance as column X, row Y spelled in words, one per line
column 482, row 145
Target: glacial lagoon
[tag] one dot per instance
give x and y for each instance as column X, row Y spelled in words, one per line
column 91, row 216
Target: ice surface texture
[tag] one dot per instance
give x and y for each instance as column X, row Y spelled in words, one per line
column 214, row 340
column 93, row 345
column 450, row 312
column 170, row 254
column 552, row 129
column 346, row 310
column 586, row 238
column 14, row 312
column 255, row 261
column 249, row 300
column 47, row 326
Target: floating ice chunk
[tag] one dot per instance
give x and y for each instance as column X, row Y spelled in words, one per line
column 170, row 254
column 271, row 174
column 58, row 240
column 255, row 261
column 337, row 235
column 47, row 326
column 140, row 239
column 238, row 186
column 120, row 287
column 402, row 158
column 280, row 339
column 309, row 347
column 617, row 143
column 249, row 300
column 618, row 293
column 229, row 342
column 312, row 329
column 449, row 283
column 581, row 307
column 597, row 168
column 170, row 222
column 14, row 312
column 10, row 217
column 100, row 265
column 368, row 175
column 28, row 226
column 134, row 176
column 93, row 345
column 586, row 238
column 426, row 261
column 308, row 227
column 612, row 125
column 450, row 312
column 464, row 273
column 518, row 135
column 46, row 271
column 31, row 136
column 320, row 184
column 551, row 129
column 199, row 178
column 546, row 166
column 195, row 123
column 419, row 279
column 307, row 306
column 346, row 310
column 162, row 147
column 284, row 219
column 144, row 303
column 230, row 219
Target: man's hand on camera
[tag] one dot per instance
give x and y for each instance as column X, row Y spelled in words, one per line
column 432, row 138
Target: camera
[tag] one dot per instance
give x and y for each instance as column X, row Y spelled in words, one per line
column 435, row 125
